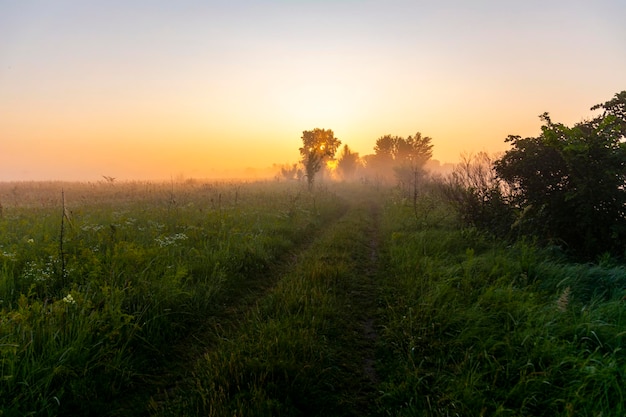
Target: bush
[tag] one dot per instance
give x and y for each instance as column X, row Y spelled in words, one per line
column 568, row 183
column 476, row 193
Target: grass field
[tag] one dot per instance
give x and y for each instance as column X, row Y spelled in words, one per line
column 263, row 299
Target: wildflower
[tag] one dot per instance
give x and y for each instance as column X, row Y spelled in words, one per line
column 170, row 240
column 31, row 241
column 69, row 299
column 11, row 256
column 92, row 227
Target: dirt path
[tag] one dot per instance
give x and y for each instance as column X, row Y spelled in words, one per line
column 165, row 373
column 347, row 361
column 370, row 333
column 363, row 295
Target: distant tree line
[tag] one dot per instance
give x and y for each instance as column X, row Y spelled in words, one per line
column 565, row 187
column 395, row 159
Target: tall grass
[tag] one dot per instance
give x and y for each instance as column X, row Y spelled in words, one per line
column 140, row 273
column 298, row 350
column 264, row 290
column 480, row 327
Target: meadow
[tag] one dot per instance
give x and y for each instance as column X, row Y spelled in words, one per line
column 265, row 299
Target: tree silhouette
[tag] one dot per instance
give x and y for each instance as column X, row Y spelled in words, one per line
column 289, row 171
column 569, row 181
column 401, row 157
column 317, row 146
column 348, row 163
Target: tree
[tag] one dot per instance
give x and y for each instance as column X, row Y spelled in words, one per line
column 400, row 157
column 317, row 146
column 414, row 150
column 410, row 157
column 348, row 163
column 382, row 161
column 386, row 147
column 569, row 182
column 289, row 171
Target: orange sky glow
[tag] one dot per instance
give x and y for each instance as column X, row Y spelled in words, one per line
column 207, row 89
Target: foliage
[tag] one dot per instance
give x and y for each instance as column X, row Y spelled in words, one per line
column 145, row 265
column 289, row 171
column 262, row 299
column 348, row 163
column 478, row 195
column 569, row 181
column 317, row 146
column 413, row 149
column 400, row 158
column 474, row 326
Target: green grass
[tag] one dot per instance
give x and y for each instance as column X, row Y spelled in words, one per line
column 264, row 299
column 141, row 272
column 479, row 327
column 300, row 349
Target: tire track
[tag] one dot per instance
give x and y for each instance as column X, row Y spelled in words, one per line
column 370, row 334
column 237, row 360
column 167, row 372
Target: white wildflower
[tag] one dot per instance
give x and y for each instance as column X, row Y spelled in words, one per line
column 69, row 299
column 92, row 227
column 170, row 240
column 9, row 255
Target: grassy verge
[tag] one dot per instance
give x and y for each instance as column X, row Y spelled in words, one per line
column 139, row 273
column 475, row 327
column 266, row 300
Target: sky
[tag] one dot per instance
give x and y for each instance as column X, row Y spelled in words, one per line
column 140, row 89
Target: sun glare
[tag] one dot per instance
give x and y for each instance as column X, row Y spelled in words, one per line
column 328, row 103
